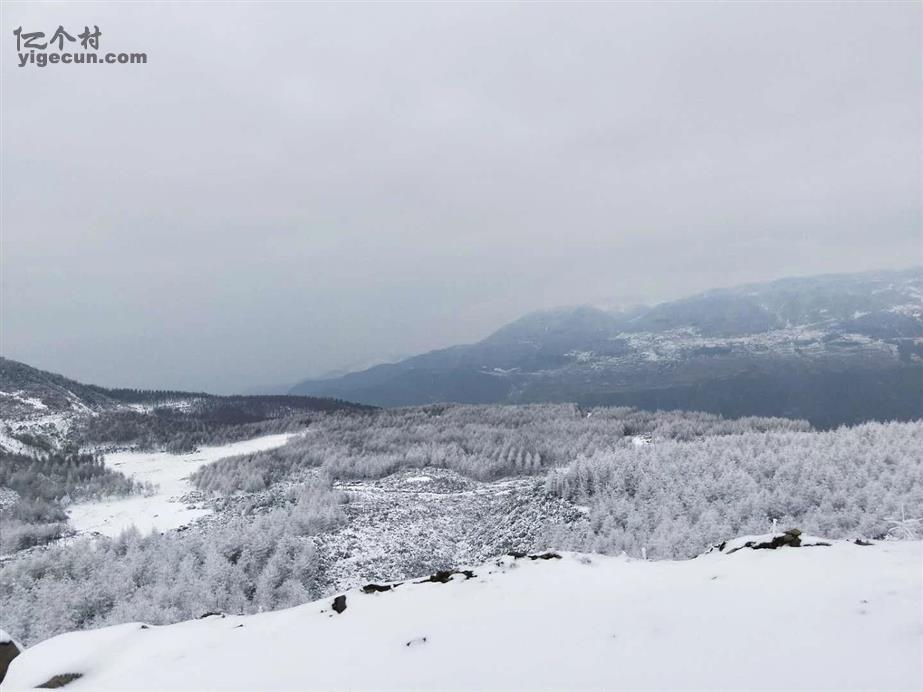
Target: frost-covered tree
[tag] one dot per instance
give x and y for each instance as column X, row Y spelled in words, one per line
column 676, row 498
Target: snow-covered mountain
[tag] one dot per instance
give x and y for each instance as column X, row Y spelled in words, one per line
column 834, row 615
column 832, row 349
column 42, row 411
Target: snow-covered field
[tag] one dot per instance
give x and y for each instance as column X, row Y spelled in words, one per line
column 837, row 617
column 164, row 509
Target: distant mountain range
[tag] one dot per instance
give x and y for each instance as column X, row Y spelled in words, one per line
column 834, row 349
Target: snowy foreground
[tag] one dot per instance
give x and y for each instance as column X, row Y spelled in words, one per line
column 837, row 617
column 165, row 509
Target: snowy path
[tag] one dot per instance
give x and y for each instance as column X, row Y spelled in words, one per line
column 170, row 473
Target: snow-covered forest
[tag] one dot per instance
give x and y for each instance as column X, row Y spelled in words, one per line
column 38, row 490
column 256, row 560
column 481, row 442
column 672, row 498
column 389, row 494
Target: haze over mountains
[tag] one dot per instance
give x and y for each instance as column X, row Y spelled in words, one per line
column 834, row 349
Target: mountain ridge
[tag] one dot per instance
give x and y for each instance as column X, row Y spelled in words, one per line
column 709, row 350
column 41, row 410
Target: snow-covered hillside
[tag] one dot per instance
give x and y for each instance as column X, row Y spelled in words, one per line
column 164, row 509
column 841, row 616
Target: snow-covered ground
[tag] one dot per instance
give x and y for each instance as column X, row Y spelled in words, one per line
column 169, row 473
column 400, row 525
column 33, row 418
column 30, row 401
column 8, row 443
column 837, row 617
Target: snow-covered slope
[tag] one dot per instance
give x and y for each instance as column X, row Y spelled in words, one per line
column 164, row 509
column 829, row 617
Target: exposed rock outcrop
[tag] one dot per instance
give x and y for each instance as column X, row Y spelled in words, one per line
column 444, row 576
column 791, row 538
column 8, row 651
column 61, row 680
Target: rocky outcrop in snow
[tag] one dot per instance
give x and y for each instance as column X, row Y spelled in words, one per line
column 8, row 651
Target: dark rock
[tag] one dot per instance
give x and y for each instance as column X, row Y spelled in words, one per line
column 376, row 588
column 782, row 540
column 209, row 614
column 516, row 554
column 444, row 576
column 545, row 556
column 339, row 604
column 789, row 539
column 8, row 651
column 776, row 542
column 61, row 680
column 859, row 541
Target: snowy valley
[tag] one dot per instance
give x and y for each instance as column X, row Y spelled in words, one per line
column 149, row 542
column 461, row 346
column 166, row 505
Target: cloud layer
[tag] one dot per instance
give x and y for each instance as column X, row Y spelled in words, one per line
column 286, row 189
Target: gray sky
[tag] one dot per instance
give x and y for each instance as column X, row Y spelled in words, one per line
column 286, row 189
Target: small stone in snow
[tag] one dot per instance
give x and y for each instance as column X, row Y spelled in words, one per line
column 57, row 681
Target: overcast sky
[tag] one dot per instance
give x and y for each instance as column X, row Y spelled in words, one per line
column 286, row 189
